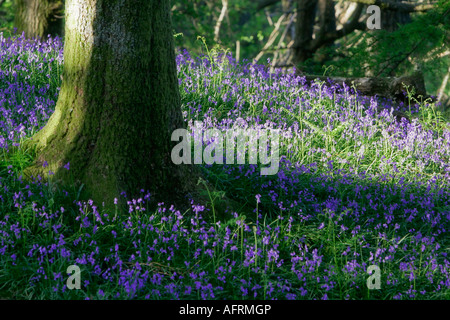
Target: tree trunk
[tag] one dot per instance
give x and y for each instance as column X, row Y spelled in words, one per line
column 304, row 27
column 390, row 19
column 327, row 25
column 305, row 46
column 38, row 18
column 118, row 105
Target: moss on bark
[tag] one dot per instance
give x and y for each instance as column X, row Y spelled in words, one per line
column 118, row 104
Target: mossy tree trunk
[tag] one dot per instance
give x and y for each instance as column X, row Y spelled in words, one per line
column 118, row 105
column 38, row 18
column 304, row 29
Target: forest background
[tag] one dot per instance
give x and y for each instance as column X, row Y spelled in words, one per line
column 319, row 37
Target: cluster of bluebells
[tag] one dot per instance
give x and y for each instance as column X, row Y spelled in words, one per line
column 323, row 122
column 167, row 254
column 354, row 188
column 29, row 85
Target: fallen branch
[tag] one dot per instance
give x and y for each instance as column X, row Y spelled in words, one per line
column 389, row 87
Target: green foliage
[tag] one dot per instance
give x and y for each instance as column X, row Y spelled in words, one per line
column 7, row 17
column 193, row 18
column 383, row 53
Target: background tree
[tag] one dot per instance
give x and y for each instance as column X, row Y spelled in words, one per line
column 38, row 18
column 413, row 35
column 118, row 105
column 334, row 33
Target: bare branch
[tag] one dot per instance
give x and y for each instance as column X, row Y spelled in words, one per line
column 286, row 30
column 352, row 25
column 220, row 20
column 273, row 36
column 269, row 19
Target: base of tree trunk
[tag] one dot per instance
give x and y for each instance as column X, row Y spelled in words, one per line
column 187, row 187
column 118, row 106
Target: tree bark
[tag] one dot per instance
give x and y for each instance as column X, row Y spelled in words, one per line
column 38, row 18
column 305, row 46
column 304, row 27
column 390, row 19
column 118, row 105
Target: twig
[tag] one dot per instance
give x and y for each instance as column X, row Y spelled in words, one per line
column 272, row 38
column 220, row 20
column 286, row 30
column 269, row 19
